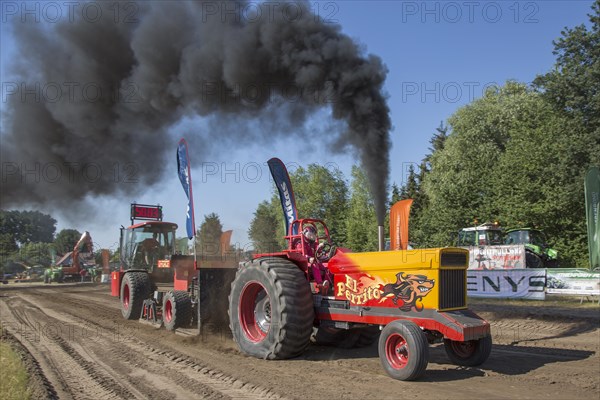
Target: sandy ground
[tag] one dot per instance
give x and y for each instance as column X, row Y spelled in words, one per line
column 78, row 346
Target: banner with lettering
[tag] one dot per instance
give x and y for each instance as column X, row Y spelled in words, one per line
column 573, row 281
column 286, row 194
column 497, row 257
column 399, row 214
column 185, row 176
column 507, row 283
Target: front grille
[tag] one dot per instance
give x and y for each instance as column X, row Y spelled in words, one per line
column 453, row 288
column 453, row 259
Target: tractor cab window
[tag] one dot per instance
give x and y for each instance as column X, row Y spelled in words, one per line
column 466, row 238
column 495, row 237
column 517, row 237
column 147, row 244
column 537, row 238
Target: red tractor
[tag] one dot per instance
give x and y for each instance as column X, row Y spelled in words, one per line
column 147, row 284
column 157, row 285
column 409, row 298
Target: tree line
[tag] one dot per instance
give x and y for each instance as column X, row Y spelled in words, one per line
column 517, row 155
column 30, row 237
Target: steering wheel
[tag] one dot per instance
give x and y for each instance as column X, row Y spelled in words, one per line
column 324, row 252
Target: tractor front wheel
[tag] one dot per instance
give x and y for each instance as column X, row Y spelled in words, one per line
column 469, row 353
column 403, row 350
column 135, row 288
column 177, row 310
column 271, row 309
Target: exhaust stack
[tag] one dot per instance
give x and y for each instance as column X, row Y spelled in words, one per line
column 380, row 237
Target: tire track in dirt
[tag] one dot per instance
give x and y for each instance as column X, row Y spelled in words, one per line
column 39, row 386
column 78, row 377
column 531, row 358
column 132, row 358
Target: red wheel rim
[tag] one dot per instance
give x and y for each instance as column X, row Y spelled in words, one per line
column 126, row 296
column 168, row 310
column 255, row 312
column 463, row 349
column 396, row 351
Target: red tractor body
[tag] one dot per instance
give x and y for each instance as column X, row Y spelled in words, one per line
column 279, row 301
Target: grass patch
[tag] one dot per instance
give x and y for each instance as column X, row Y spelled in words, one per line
column 13, row 375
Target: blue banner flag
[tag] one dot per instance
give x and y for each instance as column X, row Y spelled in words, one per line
column 185, row 176
column 286, row 194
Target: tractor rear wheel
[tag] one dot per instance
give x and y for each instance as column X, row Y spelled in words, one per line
column 345, row 338
column 271, row 309
column 470, row 353
column 135, row 288
column 367, row 336
column 532, row 260
column 177, row 310
column 403, row 350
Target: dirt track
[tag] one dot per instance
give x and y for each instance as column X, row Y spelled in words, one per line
column 85, row 350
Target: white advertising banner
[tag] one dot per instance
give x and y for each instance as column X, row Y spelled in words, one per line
column 573, row 281
column 497, row 257
column 507, row 283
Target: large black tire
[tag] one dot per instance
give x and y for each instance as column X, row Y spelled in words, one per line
column 345, row 338
column 327, row 336
column 403, row 350
column 271, row 309
column 177, row 310
column 135, row 288
column 470, row 353
column 532, row 260
column 367, row 336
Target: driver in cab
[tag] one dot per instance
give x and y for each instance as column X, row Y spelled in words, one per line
column 312, row 247
column 150, row 248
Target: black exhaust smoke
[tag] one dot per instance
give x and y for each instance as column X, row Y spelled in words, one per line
column 91, row 102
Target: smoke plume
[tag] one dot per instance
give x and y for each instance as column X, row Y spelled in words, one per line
column 91, row 100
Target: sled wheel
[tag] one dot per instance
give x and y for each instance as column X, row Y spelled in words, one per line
column 403, row 350
column 271, row 309
column 135, row 288
column 470, row 353
column 177, row 310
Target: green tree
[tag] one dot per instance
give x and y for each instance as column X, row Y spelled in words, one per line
column 264, row 228
column 323, row 194
column 410, row 189
column 396, row 194
column 208, row 241
column 511, row 156
column 573, row 85
column 437, row 142
column 28, row 226
column 66, row 239
column 361, row 221
column 458, row 186
column 36, row 253
column 8, row 245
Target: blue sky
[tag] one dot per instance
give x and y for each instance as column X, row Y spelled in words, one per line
column 440, row 56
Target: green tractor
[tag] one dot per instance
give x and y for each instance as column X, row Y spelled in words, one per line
column 53, row 274
column 537, row 252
